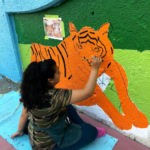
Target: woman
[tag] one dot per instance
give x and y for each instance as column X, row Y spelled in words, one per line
column 45, row 105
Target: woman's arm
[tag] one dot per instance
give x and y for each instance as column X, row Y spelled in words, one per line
column 22, row 122
column 87, row 91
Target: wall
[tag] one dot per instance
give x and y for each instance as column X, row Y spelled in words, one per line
column 129, row 21
column 10, row 62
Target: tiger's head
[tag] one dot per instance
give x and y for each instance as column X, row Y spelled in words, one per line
column 89, row 42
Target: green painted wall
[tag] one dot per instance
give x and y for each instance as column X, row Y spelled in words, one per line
column 130, row 21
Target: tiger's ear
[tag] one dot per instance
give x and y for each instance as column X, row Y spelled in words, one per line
column 72, row 28
column 104, row 29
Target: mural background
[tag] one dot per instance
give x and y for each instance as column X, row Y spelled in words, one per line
column 128, row 32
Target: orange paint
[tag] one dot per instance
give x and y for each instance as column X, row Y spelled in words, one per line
column 72, row 56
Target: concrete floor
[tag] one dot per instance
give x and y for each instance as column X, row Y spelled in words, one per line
column 7, row 85
column 124, row 143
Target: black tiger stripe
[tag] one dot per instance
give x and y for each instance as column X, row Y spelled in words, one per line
column 74, row 37
column 64, row 48
column 58, row 60
column 62, row 60
column 79, row 46
column 64, row 43
column 49, row 53
column 69, row 77
column 40, row 53
column 52, row 50
column 32, row 50
column 46, row 52
column 112, row 51
column 87, row 35
column 99, row 47
column 108, row 65
column 88, row 41
column 84, row 32
column 36, row 52
column 92, row 32
column 104, row 48
column 103, row 52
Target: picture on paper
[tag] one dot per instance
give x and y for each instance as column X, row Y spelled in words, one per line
column 53, row 28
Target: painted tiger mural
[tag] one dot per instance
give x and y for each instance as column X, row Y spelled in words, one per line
column 73, row 55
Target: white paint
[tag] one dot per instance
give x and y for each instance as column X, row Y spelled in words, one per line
column 103, row 81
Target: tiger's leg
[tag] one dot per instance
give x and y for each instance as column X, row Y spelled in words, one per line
column 129, row 108
column 121, row 121
column 99, row 98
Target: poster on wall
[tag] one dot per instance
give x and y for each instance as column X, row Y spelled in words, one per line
column 53, row 27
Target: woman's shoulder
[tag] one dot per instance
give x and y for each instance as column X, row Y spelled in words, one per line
column 60, row 93
column 57, row 90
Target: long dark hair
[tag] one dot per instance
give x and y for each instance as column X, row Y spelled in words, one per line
column 35, row 85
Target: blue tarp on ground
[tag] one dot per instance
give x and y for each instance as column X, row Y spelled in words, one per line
column 10, row 110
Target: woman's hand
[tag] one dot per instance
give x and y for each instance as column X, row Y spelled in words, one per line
column 87, row 91
column 95, row 63
column 18, row 133
column 22, row 122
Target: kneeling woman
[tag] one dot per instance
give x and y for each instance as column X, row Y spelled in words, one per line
column 49, row 109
